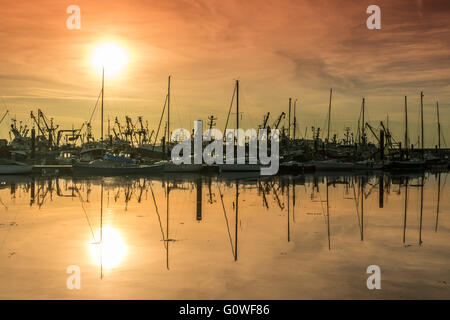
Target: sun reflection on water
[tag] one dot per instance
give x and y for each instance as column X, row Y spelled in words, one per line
column 111, row 250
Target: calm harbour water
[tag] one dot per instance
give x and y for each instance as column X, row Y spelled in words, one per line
column 192, row 237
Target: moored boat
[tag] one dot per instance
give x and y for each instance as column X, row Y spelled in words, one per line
column 14, row 167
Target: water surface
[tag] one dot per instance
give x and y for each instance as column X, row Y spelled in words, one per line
column 193, row 237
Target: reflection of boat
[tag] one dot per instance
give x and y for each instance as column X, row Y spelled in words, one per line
column 236, row 167
column 14, row 167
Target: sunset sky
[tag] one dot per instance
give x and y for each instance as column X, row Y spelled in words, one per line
column 277, row 49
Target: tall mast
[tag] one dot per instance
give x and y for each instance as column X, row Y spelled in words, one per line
column 103, row 92
column 295, row 118
column 289, row 125
column 329, row 115
column 363, row 120
column 237, row 105
column 406, row 126
column 168, row 111
column 439, row 126
column 421, row 120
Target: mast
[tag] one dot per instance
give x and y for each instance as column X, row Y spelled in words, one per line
column 363, row 120
column 439, row 127
column 329, row 115
column 295, row 118
column 109, row 127
column 103, row 92
column 289, row 125
column 421, row 126
column 168, row 111
column 237, row 105
column 406, row 127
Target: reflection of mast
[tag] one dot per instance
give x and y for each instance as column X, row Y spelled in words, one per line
column 293, row 200
column 381, row 191
column 406, row 209
column 167, row 225
column 421, row 211
column 362, row 209
column 32, row 191
column 226, row 219
column 328, row 218
column 199, row 198
column 101, row 230
column 438, row 202
column 288, row 214
column 236, row 223
column 166, row 243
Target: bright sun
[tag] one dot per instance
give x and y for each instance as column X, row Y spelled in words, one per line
column 110, row 56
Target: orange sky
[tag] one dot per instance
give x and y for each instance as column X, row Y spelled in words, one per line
column 278, row 49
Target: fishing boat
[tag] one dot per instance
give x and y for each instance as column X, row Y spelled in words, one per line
column 332, row 165
column 170, row 167
column 412, row 164
column 295, row 167
column 368, row 165
column 14, row 167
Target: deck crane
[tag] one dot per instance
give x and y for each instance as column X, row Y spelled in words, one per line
column 119, row 128
column 142, row 132
column 4, row 115
column 50, row 128
column 373, row 132
column 72, row 134
column 266, row 119
column 129, row 129
column 37, row 122
column 277, row 123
